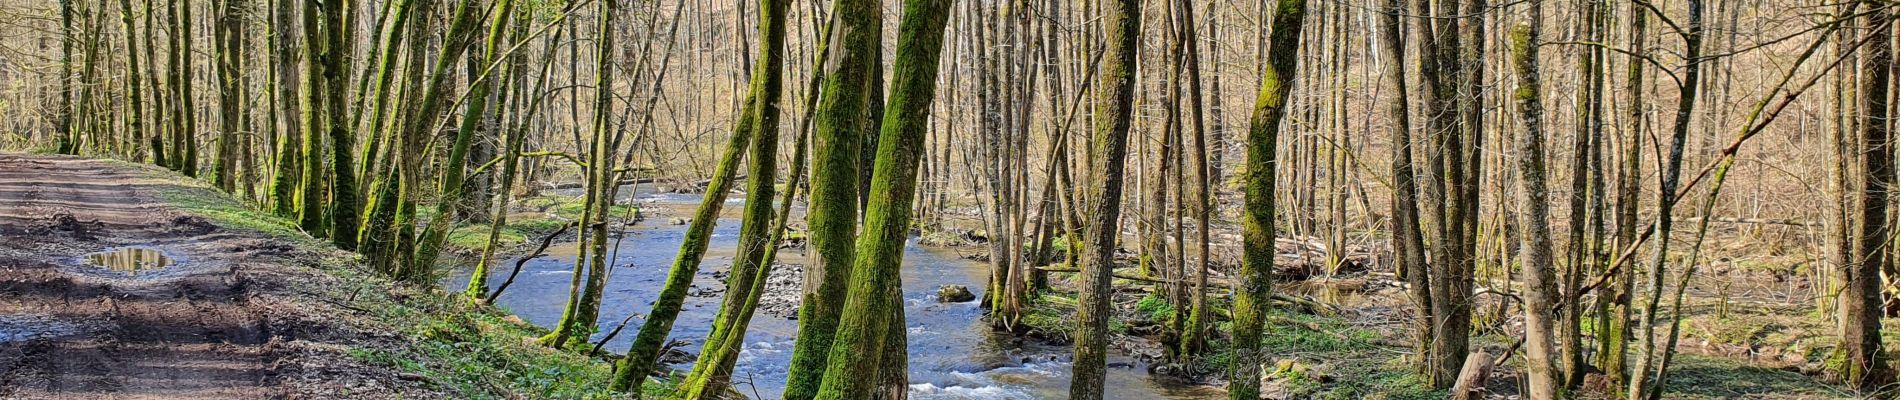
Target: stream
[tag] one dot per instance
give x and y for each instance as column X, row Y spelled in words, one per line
column 953, row 353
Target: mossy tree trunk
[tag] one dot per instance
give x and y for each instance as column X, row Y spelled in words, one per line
column 135, row 84
column 1113, row 105
column 338, row 36
column 1613, row 307
column 833, row 211
column 286, row 169
column 454, row 170
column 1194, row 332
column 512, row 138
column 712, row 373
column 230, row 35
column 310, row 194
column 65, row 133
column 185, row 143
column 647, row 344
column 160, row 108
column 1586, row 187
column 1257, row 215
column 862, row 347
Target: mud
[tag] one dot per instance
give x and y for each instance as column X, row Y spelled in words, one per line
column 235, row 318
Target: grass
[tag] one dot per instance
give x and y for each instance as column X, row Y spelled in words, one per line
column 1329, row 358
column 1696, row 377
column 476, row 352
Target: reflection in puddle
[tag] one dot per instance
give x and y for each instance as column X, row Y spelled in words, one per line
column 129, row 260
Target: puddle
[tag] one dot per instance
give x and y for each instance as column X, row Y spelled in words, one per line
column 19, row 328
column 129, row 260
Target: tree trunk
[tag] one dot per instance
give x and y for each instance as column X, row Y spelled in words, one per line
column 1408, row 242
column 1257, row 229
column 1863, row 363
column 875, row 297
column 1640, row 386
column 1534, row 214
column 833, row 213
column 756, row 238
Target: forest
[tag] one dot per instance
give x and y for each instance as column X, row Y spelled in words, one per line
column 938, row 199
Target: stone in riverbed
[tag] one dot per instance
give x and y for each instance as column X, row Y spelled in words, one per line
column 954, row 294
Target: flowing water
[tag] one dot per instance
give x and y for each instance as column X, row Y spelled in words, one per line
column 953, row 353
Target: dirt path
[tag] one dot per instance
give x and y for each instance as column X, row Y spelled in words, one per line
column 213, row 326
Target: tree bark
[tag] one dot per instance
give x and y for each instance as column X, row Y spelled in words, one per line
column 1257, row 230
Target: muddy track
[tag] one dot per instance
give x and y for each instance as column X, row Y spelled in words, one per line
column 213, row 326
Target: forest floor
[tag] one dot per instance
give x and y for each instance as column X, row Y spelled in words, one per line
column 1749, row 329
column 250, row 308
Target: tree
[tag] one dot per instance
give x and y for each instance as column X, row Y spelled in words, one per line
column 284, row 180
column 875, row 297
column 1863, row 362
column 1613, row 307
column 183, row 113
column 135, row 84
column 454, row 171
column 1534, row 217
column 231, row 35
column 721, row 350
column 833, row 211
column 1113, row 105
column 1450, row 78
column 67, row 135
column 338, row 47
column 1586, row 230
column 1407, row 240
column 631, row 371
column 310, row 194
column 1640, row 384
column 1257, row 216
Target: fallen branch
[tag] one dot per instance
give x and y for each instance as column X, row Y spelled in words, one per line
column 538, row 251
column 1756, row 221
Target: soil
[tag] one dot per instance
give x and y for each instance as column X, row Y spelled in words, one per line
column 240, row 315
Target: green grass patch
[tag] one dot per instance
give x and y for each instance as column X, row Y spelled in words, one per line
column 1313, row 357
column 1696, row 377
column 1155, row 308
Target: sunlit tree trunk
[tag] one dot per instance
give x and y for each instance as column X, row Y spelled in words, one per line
column 1863, row 362
column 1534, row 246
column 631, row 371
column 1122, row 26
column 756, row 237
column 1640, row 382
column 452, row 184
column 1257, row 231
column 230, row 36
column 833, row 214
column 875, row 296
column 287, row 169
column 1407, row 240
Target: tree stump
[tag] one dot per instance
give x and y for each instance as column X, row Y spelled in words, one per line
column 1471, row 379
